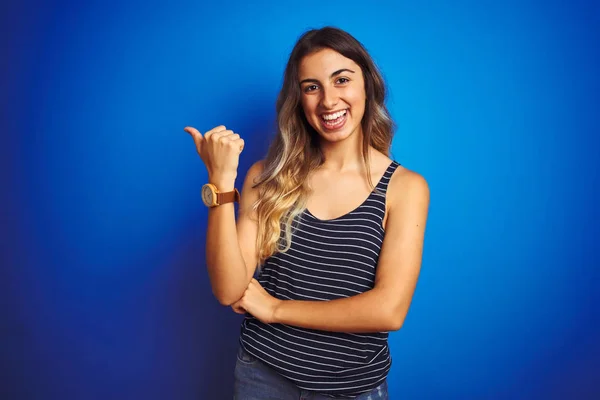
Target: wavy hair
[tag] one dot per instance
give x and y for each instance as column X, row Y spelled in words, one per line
column 294, row 152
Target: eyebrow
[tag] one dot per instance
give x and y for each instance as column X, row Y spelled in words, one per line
column 339, row 71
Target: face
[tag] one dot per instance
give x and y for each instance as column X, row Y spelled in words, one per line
column 333, row 94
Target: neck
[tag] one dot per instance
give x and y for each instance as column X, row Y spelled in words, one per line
column 343, row 155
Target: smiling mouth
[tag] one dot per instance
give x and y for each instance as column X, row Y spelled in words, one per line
column 335, row 120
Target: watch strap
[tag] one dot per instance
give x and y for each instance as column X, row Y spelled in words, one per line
column 228, row 197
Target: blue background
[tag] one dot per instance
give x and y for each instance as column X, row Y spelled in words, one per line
column 104, row 292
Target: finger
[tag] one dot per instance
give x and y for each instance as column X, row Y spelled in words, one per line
column 226, row 133
column 238, row 309
column 222, row 135
column 192, row 131
column 196, row 135
column 216, row 129
column 236, row 143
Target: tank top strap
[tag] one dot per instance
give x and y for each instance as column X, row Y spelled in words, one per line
column 387, row 175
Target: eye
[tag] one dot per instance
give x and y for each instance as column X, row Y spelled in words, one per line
column 343, row 80
column 310, row 88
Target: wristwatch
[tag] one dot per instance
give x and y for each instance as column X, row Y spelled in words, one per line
column 212, row 198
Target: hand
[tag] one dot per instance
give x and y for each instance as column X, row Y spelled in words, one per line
column 257, row 302
column 220, row 151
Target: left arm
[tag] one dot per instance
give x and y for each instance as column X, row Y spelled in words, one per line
column 382, row 308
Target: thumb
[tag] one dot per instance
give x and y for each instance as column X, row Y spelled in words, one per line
column 237, row 307
column 196, row 135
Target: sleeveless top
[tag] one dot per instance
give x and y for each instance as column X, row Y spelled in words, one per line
column 328, row 259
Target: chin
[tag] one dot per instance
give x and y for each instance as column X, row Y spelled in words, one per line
column 336, row 135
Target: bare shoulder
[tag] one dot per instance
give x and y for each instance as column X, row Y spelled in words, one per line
column 407, row 187
column 403, row 179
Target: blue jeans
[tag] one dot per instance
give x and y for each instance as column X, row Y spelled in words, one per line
column 254, row 380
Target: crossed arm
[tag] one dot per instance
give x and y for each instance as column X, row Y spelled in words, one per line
column 382, row 308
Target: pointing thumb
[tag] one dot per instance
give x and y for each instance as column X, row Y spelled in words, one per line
column 195, row 134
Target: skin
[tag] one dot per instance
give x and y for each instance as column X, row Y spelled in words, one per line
column 340, row 185
column 227, row 257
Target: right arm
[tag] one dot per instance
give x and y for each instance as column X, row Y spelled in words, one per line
column 231, row 256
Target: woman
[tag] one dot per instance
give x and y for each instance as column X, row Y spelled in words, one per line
column 337, row 258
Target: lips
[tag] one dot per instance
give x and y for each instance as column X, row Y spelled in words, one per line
column 334, row 121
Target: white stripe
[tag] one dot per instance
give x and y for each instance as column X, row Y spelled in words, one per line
column 370, row 280
column 294, row 293
column 376, row 208
column 346, row 260
column 338, row 238
column 341, row 338
column 333, row 223
column 317, row 341
column 305, row 288
column 340, row 245
column 344, row 232
column 350, row 225
column 310, row 283
column 313, row 276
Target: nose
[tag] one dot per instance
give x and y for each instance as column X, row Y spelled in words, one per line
column 330, row 97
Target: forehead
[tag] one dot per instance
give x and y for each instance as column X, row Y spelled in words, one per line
column 322, row 63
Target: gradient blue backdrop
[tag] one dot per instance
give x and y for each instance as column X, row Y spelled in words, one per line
column 104, row 292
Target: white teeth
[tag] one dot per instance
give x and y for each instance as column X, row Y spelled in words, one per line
column 329, row 117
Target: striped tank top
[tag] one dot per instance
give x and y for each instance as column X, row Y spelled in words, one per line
column 328, row 259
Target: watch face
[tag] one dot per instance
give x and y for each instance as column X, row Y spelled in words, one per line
column 207, row 196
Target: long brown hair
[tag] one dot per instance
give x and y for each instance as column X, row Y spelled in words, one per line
column 294, row 152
